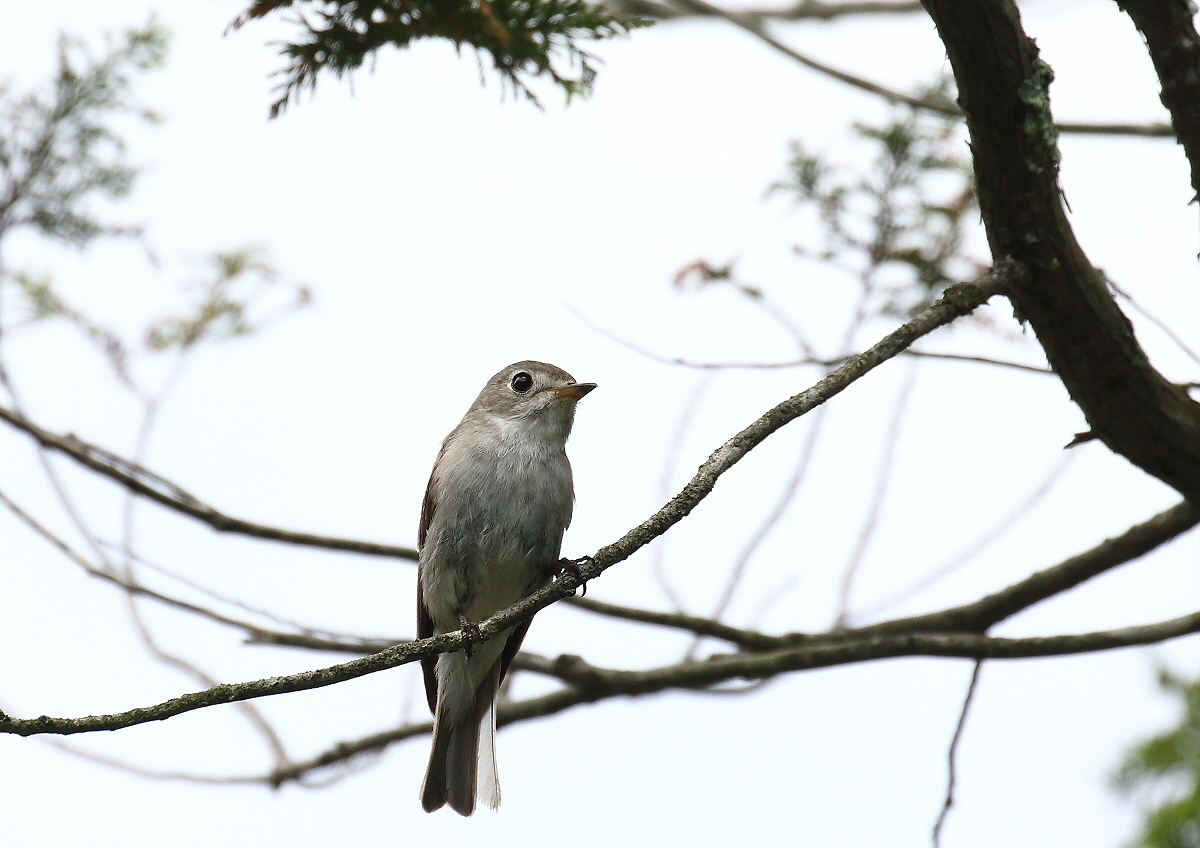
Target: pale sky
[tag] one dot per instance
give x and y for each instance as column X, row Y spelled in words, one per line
column 447, row 229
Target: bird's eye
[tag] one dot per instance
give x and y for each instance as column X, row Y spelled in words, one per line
column 521, row 383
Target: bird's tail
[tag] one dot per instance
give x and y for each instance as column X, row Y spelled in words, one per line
column 458, row 759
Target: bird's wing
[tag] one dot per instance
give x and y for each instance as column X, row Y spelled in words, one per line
column 424, row 619
column 512, row 645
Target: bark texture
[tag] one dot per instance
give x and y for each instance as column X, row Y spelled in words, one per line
column 1170, row 32
column 1003, row 90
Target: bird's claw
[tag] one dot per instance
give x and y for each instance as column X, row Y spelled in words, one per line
column 573, row 566
column 470, row 632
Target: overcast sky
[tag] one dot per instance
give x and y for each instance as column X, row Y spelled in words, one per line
column 447, row 229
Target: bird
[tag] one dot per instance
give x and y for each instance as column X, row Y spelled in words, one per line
column 497, row 504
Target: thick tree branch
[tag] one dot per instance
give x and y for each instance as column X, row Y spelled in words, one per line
column 147, row 484
column 1170, row 33
column 1003, row 89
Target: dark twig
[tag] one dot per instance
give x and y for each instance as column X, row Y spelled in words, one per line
column 952, row 755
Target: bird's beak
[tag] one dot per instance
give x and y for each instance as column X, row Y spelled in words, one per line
column 576, row 391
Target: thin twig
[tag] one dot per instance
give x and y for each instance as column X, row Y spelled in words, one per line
column 1162, row 325
column 658, row 561
column 756, row 26
column 968, row 553
column 127, row 569
column 827, row 363
column 124, row 583
column 153, row 487
column 261, row 612
column 875, row 508
column 817, row 10
column 982, row 614
column 951, row 756
column 774, row 515
column 746, row 639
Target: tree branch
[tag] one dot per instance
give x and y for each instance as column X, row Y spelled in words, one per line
column 805, row 10
column 1003, row 89
column 147, row 484
column 958, row 300
column 590, row 683
column 978, row 616
column 1174, row 46
column 802, row 361
column 974, row 617
column 228, row 693
column 755, row 24
column 599, row 684
column 952, row 756
column 750, row 640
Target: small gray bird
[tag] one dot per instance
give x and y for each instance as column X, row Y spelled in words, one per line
column 498, row 502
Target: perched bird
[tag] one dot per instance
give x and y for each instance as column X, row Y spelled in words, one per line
column 498, row 501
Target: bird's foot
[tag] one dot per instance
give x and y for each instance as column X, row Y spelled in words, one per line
column 572, row 566
column 470, row 632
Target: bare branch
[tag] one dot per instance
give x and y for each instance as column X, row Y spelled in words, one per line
column 973, row 617
column 755, row 24
column 228, row 693
column 1135, row 542
column 1170, row 32
column 774, row 514
column 977, row 616
column 997, row 531
column 750, row 640
column 153, row 774
column 1156, row 321
column 958, row 300
column 1004, row 86
column 805, row 10
column 875, row 508
column 557, row 702
column 951, row 756
column 590, row 683
column 149, row 485
column 803, row 361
